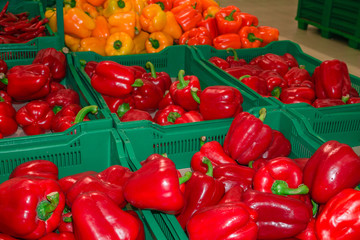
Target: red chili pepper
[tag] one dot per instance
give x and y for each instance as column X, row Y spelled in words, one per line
column 210, row 24
column 168, row 115
column 186, row 16
column 160, row 79
column 250, row 37
column 339, row 219
column 3, row 11
column 218, row 102
column 237, row 72
column 234, row 61
column 296, row 75
column 58, row 236
column 212, row 151
column 181, row 89
column 113, row 79
column 189, row 117
column 62, row 98
column 327, row 102
column 66, row 222
column 280, row 146
column 219, row 62
column 201, row 191
column 66, row 182
column 37, row 168
column 228, row 40
column 248, row 137
column 8, row 125
column 115, row 102
column 35, row 117
column 107, row 219
column 234, row 194
column 166, row 101
column 256, row 83
column 297, row 94
column 234, row 175
column 146, row 96
column 248, row 20
column 90, row 68
column 30, row 207
column 166, row 5
column 324, row 172
column 224, row 221
column 290, row 60
column 273, row 62
column 228, row 20
column 275, row 82
column 28, row 82
column 54, row 60
column 196, row 36
column 278, row 216
column 135, row 115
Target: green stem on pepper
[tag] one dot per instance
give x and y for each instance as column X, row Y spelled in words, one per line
column 236, row 58
column 122, row 109
column 46, row 208
column 280, row 187
column 152, row 69
column 182, row 82
column 185, row 178
column 210, row 171
column 84, row 111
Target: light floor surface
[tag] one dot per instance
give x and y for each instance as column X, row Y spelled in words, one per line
column 281, row 14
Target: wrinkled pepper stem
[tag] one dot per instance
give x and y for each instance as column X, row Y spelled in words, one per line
column 121, row 4
column 152, row 69
column 262, row 114
column 57, row 109
column 202, row 140
column 210, row 166
column 3, row 79
column 84, row 111
column 122, row 109
column 185, row 178
column 236, row 58
column 230, row 16
column 117, row 44
column 242, row 77
column 281, row 188
column 138, row 83
column 194, row 94
column 154, row 43
column 276, row 92
column 46, row 208
column 182, row 83
column 345, row 98
column 173, row 116
column 252, row 38
column 315, row 207
column 251, row 163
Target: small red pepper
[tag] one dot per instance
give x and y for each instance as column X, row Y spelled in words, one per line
column 89, row 67
column 297, row 95
column 210, row 24
column 327, row 102
column 232, row 175
column 160, row 79
column 234, row 61
column 8, row 125
column 115, row 102
column 219, row 62
column 273, row 62
column 237, row 72
column 296, row 75
column 228, row 40
column 146, row 96
column 66, row 182
column 234, row 194
column 280, row 146
column 54, row 60
column 133, row 114
column 168, row 115
column 195, row 4
column 37, row 168
column 62, row 98
column 189, row 117
column 166, row 100
column 196, row 36
column 186, row 16
column 228, row 20
column 248, row 20
column 58, row 236
column 256, row 83
column 250, row 37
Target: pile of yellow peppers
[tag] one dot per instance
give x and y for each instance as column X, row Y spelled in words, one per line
column 116, row 27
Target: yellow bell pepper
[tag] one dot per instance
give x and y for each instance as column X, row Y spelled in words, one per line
column 152, row 18
column 172, row 27
column 93, row 44
column 90, row 10
column 125, row 22
column 51, row 15
column 119, row 43
column 138, row 5
column 157, row 41
column 102, row 28
column 96, row 3
column 114, row 6
column 78, row 24
column 72, row 42
column 140, row 41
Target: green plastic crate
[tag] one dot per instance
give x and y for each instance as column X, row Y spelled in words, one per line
column 170, row 60
column 181, row 143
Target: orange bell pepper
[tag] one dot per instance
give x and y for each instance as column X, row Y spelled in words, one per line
column 119, row 43
column 90, row 10
column 96, row 3
column 139, row 42
column 211, row 11
column 72, row 43
column 195, row 4
column 230, row 40
column 250, row 37
column 268, row 34
column 166, row 5
column 158, row 41
column 172, row 27
column 138, row 5
column 93, row 44
column 78, row 24
column 102, row 28
column 152, row 18
column 209, row 3
column 114, row 6
column 125, row 22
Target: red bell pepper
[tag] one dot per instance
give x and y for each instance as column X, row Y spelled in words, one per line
column 68, row 112
column 66, row 222
column 30, row 207
column 210, row 24
column 327, row 102
column 248, row 20
column 4, row 97
column 8, row 125
column 218, row 102
column 297, row 95
column 214, row 152
column 146, row 96
column 28, row 82
column 133, row 114
column 160, row 79
column 280, row 146
column 275, row 82
column 35, row 117
column 66, row 182
column 54, row 60
column 324, row 172
column 90, row 67
column 228, row 40
column 166, row 5
column 55, row 86
column 189, row 117
column 234, row 175
column 58, row 236
column 290, row 60
column 268, row 34
column 234, row 194
column 6, row 237
column 248, row 137
column 224, row 221
column 296, row 75
column 38, row 168
column 353, row 100
column 278, row 216
column 186, row 16
column 228, row 20
column 250, row 37
column 256, row 83
column 240, row 71
column 273, row 62
column 115, row 174
column 155, row 186
column 115, row 102
column 196, row 36
column 166, row 100
column 339, row 219
column 168, row 115
column 96, row 216
column 181, row 91
column 61, row 98
column 234, row 61
column 219, row 62
column 113, row 79
column 201, row 191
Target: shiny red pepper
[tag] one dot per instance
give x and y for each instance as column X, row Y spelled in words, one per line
column 309, row 232
column 232, row 175
column 38, row 168
column 168, row 115
column 268, row 34
column 115, row 102
column 273, row 62
column 35, row 117
column 248, row 137
column 186, row 16
column 228, row 20
column 68, row 112
column 280, row 146
column 160, row 79
column 228, row 40
column 155, row 186
column 58, row 236
column 256, row 83
column 196, row 36
column 327, row 102
column 234, row 61
column 189, row 117
column 146, row 96
column 165, row 101
column 181, row 89
column 133, row 114
column 201, row 191
column 290, row 60
column 224, row 221
column 240, row 71
column 90, row 68
column 234, row 194
column 61, row 98
column 8, row 125
column 115, row 174
column 297, row 95
column 195, row 4
column 275, row 82
column 248, row 20
column 324, row 172
column 296, row 75
column 30, row 207
column 138, row 70
column 66, row 182
column 105, row 219
column 210, row 24
column 219, row 62
column 54, row 60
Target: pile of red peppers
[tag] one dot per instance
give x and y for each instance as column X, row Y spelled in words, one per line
column 272, row 75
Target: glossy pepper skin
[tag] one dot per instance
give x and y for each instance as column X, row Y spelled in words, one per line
column 296, row 75
column 115, row 102
column 77, row 23
column 160, row 79
column 280, row 146
column 250, row 37
column 158, row 181
column 248, row 20
column 189, row 117
column 127, row 22
column 6, row 237
column 297, row 94
column 62, row 98
column 66, row 222
column 278, row 216
column 186, row 16
column 136, row 115
column 172, row 28
column 169, row 114
column 210, row 24
column 35, row 117
column 28, row 82
column 247, row 69
column 195, row 4
column 353, row 100
column 147, row 96
column 30, row 207
column 227, row 221
column 8, row 125
column 339, row 219
column 324, row 170
column 256, row 83
column 248, row 137
column 66, row 182
column 152, row 18
column 275, row 82
column 219, row 62
column 166, row 101
column 234, row 61
column 234, row 194
column 54, row 60
column 201, row 191
column 232, row 175
column 37, row 168
column 112, row 79
column 273, row 62
column 196, row 36
column 228, row 20
column 108, row 221
column 227, row 40
column 327, row 102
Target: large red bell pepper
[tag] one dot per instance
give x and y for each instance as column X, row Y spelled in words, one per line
column 189, row 117
column 339, row 219
column 278, row 216
column 325, row 171
column 30, row 207
column 196, row 36
column 8, row 125
column 296, row 75
column 280, row 146
column 234, row 194
column 160, row 79
column 38, row 168
column 147, row 96
column 234, row 61
column 219, row 62
column 224, row 221
column 181, row 89
column 273, row 62
column 248, row 137
column 228, row 20
column 54, row 60
column 96, row 216
column 228, row 40
column 168, row 115
column 62, row 98
column 218, row 102
column 35, row 117
column 201, row 191
column 66, row 182
column 58, row 236
column 290, row 60
column 115, row 174
column 327, row 102
column 256, row 83
column 297, row 95
column 55, row 86
column 234, row 175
